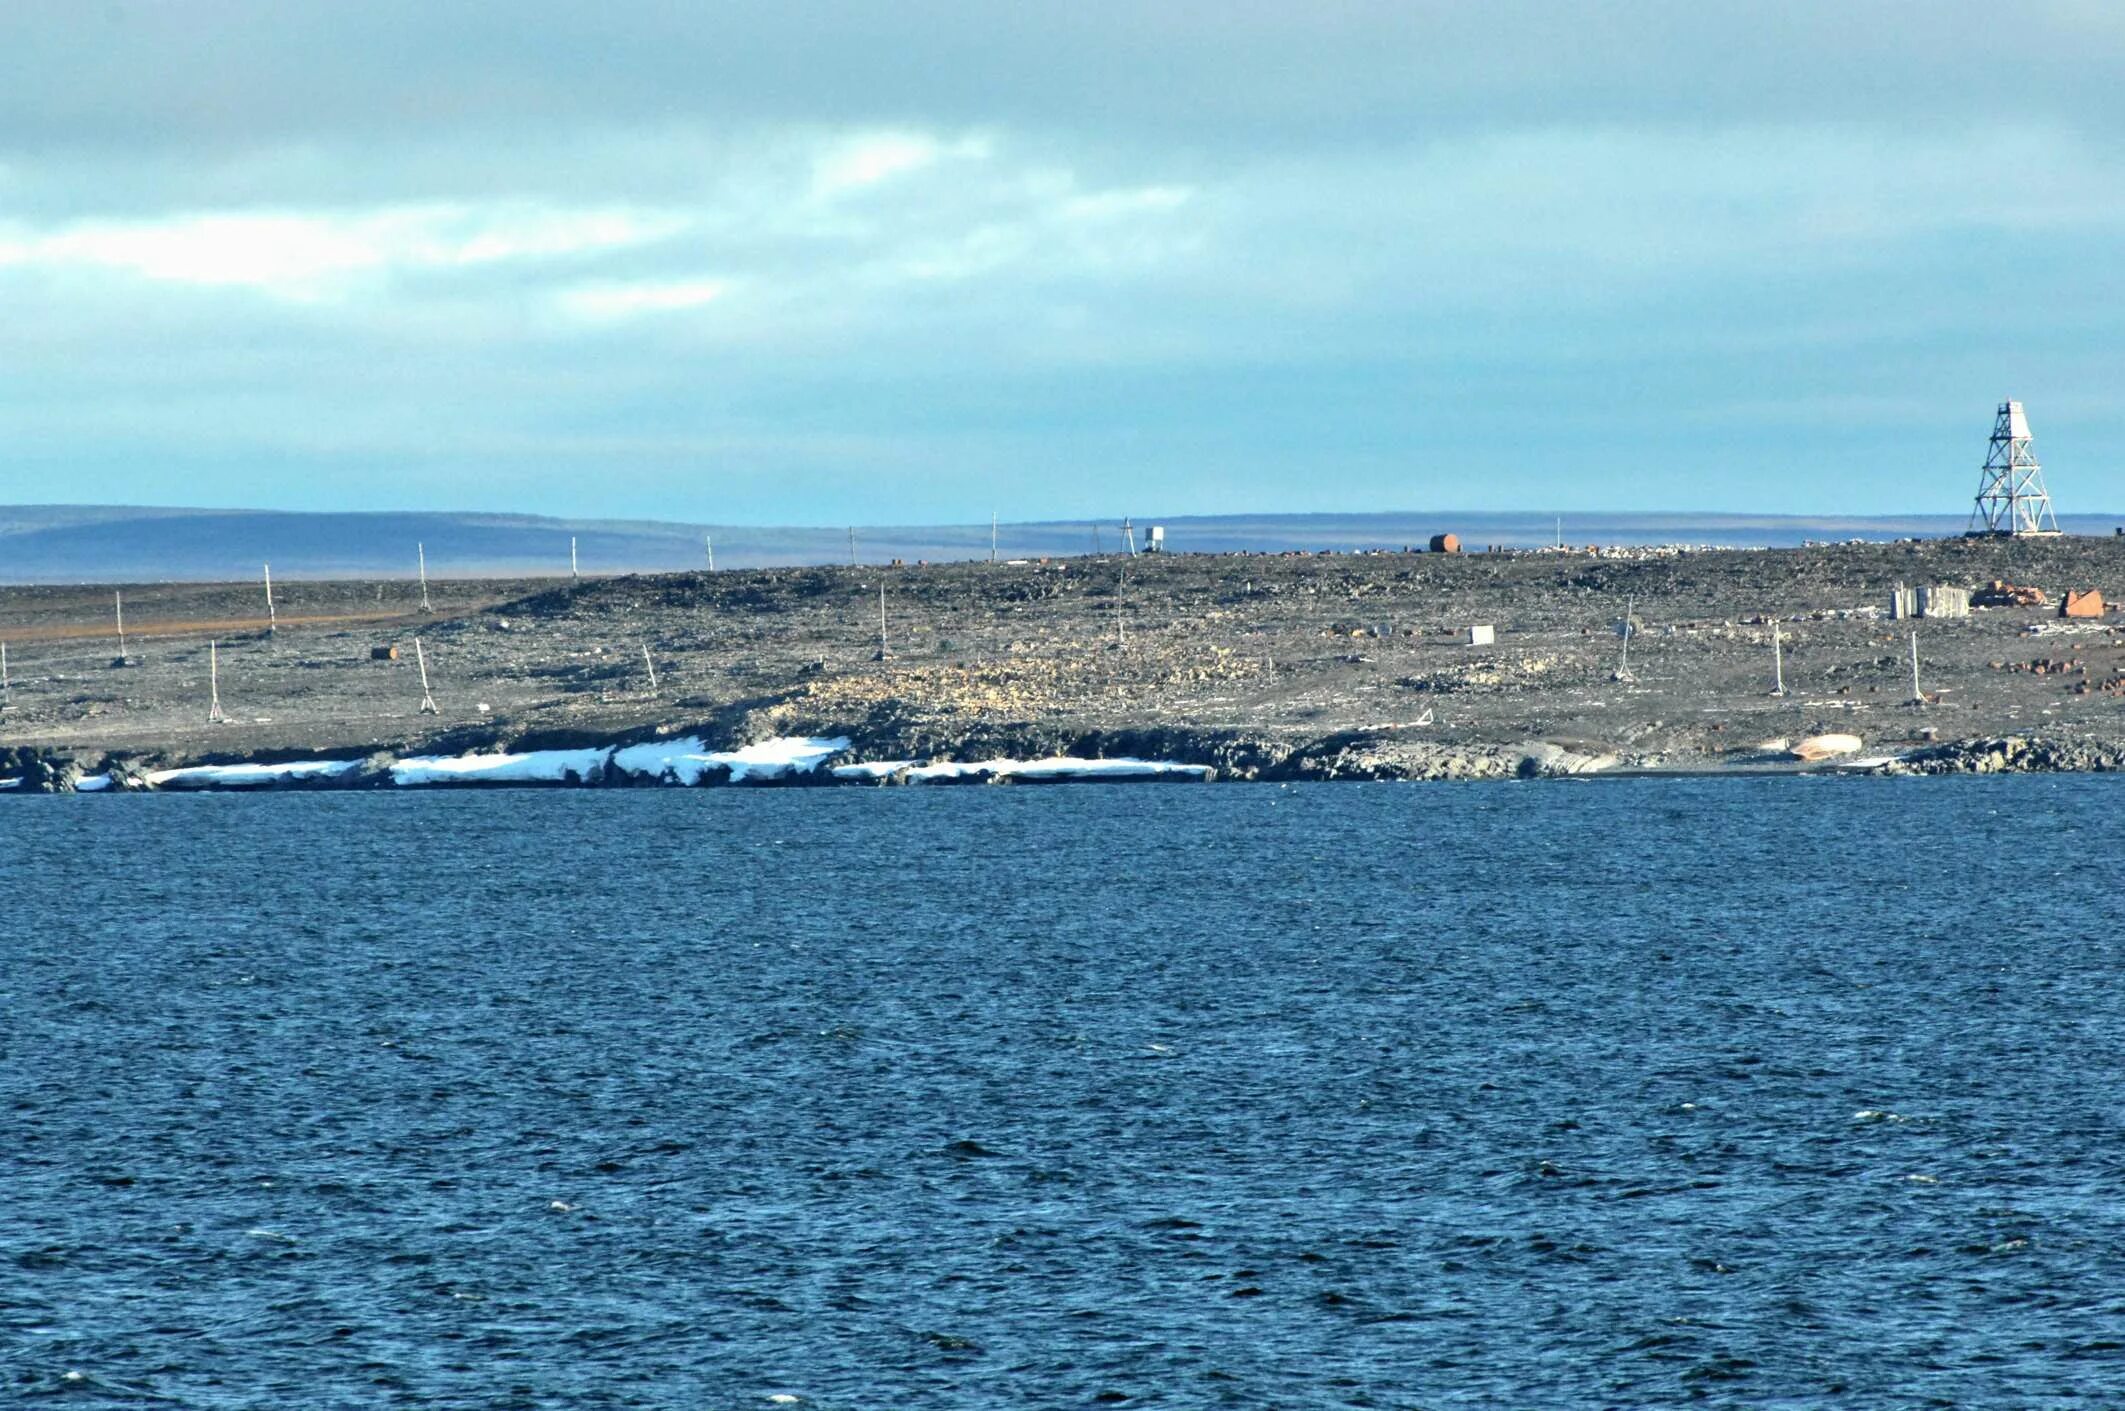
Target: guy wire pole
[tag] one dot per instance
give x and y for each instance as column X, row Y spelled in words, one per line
column 214, row 712
column 118, row 607
column 7, row 692
column 1918, row 697
column 708, row 541
column 422, row 550
column 272, row 617
column 992, row 536
column 1630, row 610
column 882, row 654
column 427, row 700
column 852, row 546
column 573, row 572
column 1778, row 661
column 1121, row 607
column 651, row 665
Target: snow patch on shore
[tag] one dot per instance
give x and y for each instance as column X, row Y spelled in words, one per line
column 688, row 761
column 531, row 767
column 875, row 771
column 249, row 776
column 1055, row 769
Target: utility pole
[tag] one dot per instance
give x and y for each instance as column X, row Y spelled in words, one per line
column 1129, row 536
column 882, row 653
column 852, row 546
column 272, row 617
column 1918, row 697
column 1121, row 607
column 214, row 712
column 422, row 550
column 118, row 608
column 573, row 571
column 7, row 692
column 1630, row 628
column 646, row 661
column 992, row 536
column 427, row 700
column 708, row 541
column 1778, row 661
column 1099, row 549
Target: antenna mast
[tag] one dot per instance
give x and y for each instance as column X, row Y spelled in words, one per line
column 2011, row 498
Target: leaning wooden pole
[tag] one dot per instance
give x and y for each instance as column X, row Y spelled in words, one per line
column 214, row 711
column 118, row 608
column 427, row 700
column 272, row 617
column 422, row 551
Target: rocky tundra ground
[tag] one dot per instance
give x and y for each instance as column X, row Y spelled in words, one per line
column 1331, row 665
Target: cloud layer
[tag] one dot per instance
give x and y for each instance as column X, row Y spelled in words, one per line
column 917, row 262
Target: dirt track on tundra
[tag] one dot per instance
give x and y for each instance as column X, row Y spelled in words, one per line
column 1288, row 648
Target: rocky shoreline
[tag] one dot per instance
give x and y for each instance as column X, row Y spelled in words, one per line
column 1160, row 756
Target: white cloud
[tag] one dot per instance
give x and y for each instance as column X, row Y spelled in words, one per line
column 872, row 158
column 618, row 301
column 306, row 256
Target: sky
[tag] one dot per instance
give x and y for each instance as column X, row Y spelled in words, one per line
column 831, row 261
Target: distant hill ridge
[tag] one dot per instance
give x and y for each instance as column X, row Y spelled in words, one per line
column 102, row 543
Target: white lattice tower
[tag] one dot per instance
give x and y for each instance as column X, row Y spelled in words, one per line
column 2011, row 498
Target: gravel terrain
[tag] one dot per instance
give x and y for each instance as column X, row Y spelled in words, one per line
column 1329, row 664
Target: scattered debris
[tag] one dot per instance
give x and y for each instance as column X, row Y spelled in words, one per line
column 2001, row 594
column 2082, row 602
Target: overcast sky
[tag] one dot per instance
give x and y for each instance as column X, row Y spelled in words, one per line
column 916, row 261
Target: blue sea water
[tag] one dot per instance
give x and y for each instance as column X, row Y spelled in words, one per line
column 1765, row 1093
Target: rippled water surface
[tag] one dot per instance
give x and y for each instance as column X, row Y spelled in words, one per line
column 1756, row 1093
